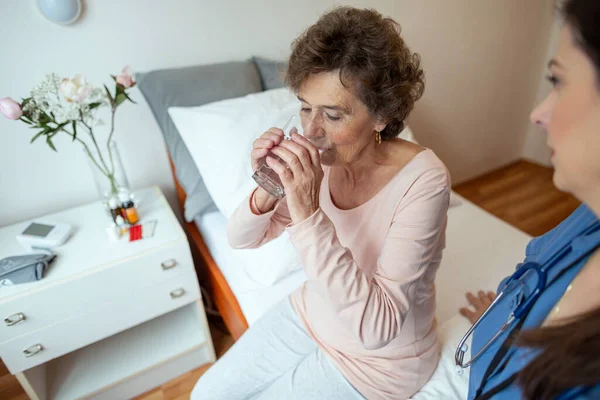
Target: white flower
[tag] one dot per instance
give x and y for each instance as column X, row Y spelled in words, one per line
column 75, row 89
column 46, row 99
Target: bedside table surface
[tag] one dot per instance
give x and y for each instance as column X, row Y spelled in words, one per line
column 89, row 249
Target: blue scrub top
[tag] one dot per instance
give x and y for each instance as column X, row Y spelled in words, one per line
column 540, row 250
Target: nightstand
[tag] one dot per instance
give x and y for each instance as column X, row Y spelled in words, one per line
column 110, row 320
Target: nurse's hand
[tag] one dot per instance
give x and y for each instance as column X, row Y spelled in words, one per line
column 479, row 303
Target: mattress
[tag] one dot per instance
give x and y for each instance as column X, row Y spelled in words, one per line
column 480, row 251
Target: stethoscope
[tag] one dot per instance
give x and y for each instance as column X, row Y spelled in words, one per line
column 523, row 308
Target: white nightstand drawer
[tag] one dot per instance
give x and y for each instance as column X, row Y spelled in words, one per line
column 111, row 283
column 96, row 324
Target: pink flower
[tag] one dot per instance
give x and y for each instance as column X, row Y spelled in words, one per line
column 76, row 89
column 126, row 78
column 10, row 108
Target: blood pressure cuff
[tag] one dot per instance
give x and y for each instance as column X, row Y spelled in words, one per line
column 23, row 269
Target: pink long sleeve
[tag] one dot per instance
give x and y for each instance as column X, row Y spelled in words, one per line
column 373, row 305
column 246, row 230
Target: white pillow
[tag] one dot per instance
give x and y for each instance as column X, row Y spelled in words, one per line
column 407, row 134
column 219, row 137
column 449, row 381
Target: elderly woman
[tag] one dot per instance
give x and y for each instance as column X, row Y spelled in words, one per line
column 366, row 212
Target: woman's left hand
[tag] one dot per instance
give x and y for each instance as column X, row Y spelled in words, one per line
column 302, row 180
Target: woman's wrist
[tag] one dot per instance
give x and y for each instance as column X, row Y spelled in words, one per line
column 262, row 202
column 303, row 214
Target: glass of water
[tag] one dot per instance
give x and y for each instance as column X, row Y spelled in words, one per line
column 266, row 177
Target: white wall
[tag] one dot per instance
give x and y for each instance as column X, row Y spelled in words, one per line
column 535, row 148
column 483, row 61
column 481, row 58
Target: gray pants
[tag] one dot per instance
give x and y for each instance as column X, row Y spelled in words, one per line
column 274, row 359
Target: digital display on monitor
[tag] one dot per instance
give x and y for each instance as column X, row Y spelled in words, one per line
column 40, row 230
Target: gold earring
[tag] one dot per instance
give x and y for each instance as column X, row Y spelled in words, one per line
column 378, row 137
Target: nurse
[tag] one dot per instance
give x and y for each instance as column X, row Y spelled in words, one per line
column 540, row 337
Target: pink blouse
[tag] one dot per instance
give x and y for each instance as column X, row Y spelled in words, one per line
column 369, row 300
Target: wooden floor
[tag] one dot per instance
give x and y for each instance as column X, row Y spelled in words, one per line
column 522, row 194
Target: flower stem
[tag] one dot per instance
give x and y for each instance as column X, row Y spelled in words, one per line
column 87, row 150
column 113, row 183
column 89, row 129
column 112, row 130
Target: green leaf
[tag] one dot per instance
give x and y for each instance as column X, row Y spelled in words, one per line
column 44, row 119
column 129, row 98
column 94, row 105
column 25, row 101
column 112, row 101
column 25, row 120
column 49, row 141
column 52, row 131
column 119, row 92
column 74, row 124
column 35, row 137
column 121, row 97
column 60, row 126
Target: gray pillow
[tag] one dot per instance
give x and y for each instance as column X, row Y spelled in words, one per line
column 271, row 72
column 189, row 87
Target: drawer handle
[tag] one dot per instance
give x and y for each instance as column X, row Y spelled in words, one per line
column 177, row 293
column 168, row 264
column 14, row 319
column 33, row 350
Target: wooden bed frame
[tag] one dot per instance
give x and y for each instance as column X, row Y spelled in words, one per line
column 219, row 289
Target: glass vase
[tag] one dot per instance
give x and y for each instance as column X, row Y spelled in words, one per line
column 107, row 168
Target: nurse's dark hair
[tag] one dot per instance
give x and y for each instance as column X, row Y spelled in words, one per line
column 569, row 351
column 569, row 356
column 582, row 17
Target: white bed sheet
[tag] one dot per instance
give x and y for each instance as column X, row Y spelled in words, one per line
column 481, row 250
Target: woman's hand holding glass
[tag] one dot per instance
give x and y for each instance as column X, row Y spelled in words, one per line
column 261, row 147
column 302, row 179
column 287, row 165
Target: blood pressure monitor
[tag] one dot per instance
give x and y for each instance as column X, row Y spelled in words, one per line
column 44, row 235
